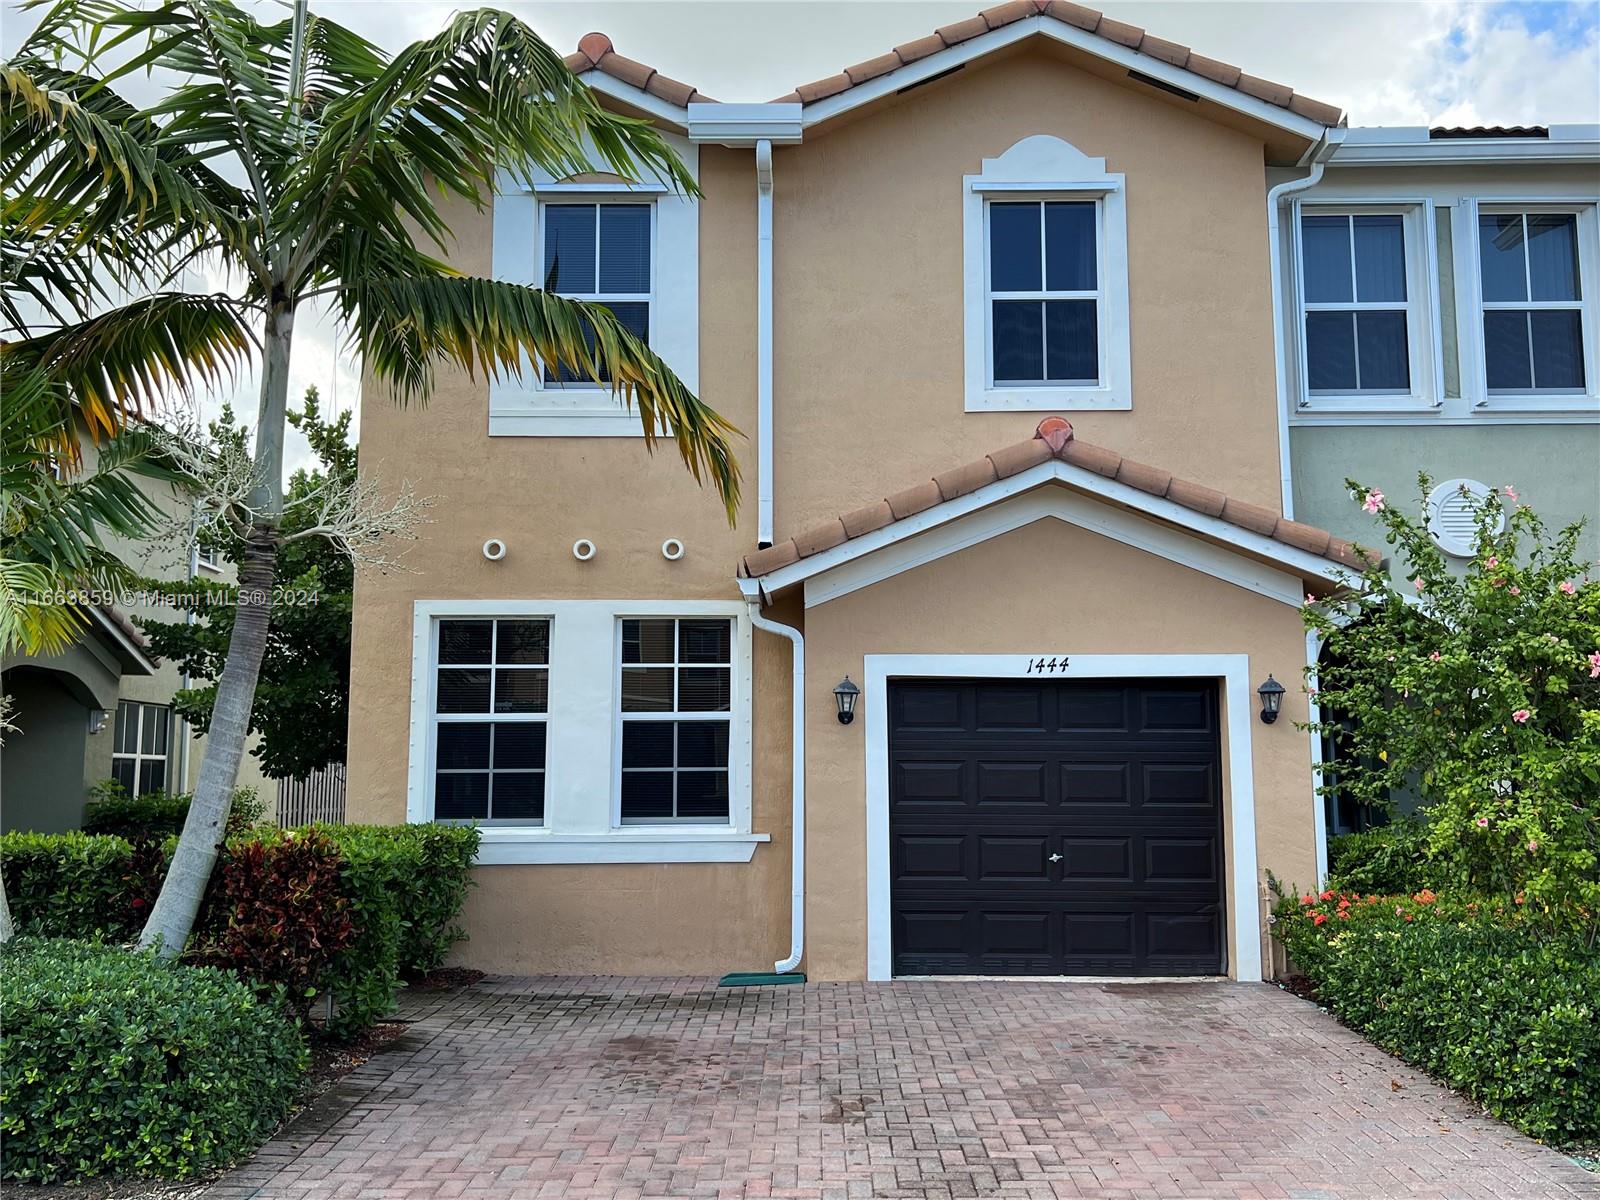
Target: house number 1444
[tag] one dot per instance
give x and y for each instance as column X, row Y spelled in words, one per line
column 1047, row 666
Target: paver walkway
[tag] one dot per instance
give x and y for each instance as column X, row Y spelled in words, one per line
column 608, row 1087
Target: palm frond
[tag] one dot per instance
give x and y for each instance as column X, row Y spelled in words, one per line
column 405, row 326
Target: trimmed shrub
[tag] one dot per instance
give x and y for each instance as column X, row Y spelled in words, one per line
column 1496, row 1002
column 157, row 815
column 112, row 1061
column 275, row 914
column 1389, row 860
column 377, row 874
column 72, row 885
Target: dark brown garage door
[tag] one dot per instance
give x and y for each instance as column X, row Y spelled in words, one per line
column 1056, row 827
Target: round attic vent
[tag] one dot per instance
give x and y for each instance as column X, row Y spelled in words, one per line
column 1452, row 515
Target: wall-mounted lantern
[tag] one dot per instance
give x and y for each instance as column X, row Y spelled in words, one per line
column 846, row 695
column 1271, row 693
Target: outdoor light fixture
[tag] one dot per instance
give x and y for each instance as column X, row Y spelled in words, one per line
column 1271, row 693
column 846, row 694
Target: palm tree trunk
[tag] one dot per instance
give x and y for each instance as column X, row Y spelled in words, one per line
column 174, row 912
column 7, row 929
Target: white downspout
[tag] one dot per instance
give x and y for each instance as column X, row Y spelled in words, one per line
column 797, row 821
column 764, row 343
column 1330, row 141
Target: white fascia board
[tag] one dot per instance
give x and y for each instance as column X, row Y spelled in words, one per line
column 674, row 115
column 1068, row 35
column 1298, row 562
column 744, row 124
column 1402, row 145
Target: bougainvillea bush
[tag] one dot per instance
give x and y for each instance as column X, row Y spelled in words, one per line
column 1477, row 690
column 1483, row 995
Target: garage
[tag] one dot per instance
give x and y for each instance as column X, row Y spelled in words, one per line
column 1055, row 827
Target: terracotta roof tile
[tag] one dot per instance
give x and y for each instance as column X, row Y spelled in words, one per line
column 1080, row 17
column 1053, row 439
column 595, row 53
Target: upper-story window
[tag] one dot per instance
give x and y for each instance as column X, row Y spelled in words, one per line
column 1366, row 342
column 1533, row 306
column 1046, row 276
column 1044, row 292
column 1355, row 303
column 601, row 253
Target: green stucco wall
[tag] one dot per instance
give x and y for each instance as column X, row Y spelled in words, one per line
column 1555, row 468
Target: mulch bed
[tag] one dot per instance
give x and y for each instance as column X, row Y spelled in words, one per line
column 445, row 979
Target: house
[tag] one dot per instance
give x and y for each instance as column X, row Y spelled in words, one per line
column 980, row 682
column 102, row 709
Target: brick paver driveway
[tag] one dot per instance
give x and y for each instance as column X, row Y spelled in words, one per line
column 607, row 1087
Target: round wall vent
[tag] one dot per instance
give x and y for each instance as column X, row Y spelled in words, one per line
column 1453, row 515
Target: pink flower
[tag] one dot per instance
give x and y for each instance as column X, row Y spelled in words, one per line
column 1496, row 582
column 1420, row 584
column 1566, row 587
column 1491, row 562
column 1310, row 599
column 1514, row 590
column 1373, row 502
column 1521, row 716
column 1483, row 822
column 1533, row 845
column 1594, row 665
column 1511, row 493
column 1435, row 656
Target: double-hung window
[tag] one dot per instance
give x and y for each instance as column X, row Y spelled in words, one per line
column 491, row 702
column 1533, row 303
column 676, row 701
column 601, row 253
column 1358, row 311
column 139, row 747
column 1044, row 292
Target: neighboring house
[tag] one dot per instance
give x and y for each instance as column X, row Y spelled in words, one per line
column 103, row 708
column 995, row 312
column 1438, row 292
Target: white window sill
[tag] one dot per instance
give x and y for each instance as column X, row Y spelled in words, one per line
column 565, row 423
column 505, row 846
column 1047, row 399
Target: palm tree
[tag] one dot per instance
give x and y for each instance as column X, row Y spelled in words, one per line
column 314, row 165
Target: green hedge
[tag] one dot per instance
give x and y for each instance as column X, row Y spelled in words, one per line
column 1389, row 860
column 400, row 890
column 114, row 1062
column 1498, row 1004
column 156, row 814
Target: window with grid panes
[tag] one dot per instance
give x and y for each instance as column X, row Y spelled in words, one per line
column 139, row 747
column 1532, row 302
column 491, row 704
column 676, row 700
column 600, row 253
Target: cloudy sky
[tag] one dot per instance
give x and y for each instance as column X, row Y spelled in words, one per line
column 1457, row 62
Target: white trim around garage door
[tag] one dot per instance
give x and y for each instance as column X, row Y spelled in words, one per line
column 1232, row 669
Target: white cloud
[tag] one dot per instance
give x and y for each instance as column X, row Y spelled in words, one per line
column 1439, row 62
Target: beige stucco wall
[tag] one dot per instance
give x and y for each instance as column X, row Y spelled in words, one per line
column 868, row 276
column 1053, row 587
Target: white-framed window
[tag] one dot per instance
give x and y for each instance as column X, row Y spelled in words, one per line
column 1046, row 281
column 675, row 707
column 207, row 556
column 599, row 251
column 139, row 747
column 1044, row 293
column 1532, row 302
column 638, row 728
column 1366, row 339
column 491, row 701
column 632, row 245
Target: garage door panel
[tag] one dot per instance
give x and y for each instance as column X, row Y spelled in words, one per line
column 930, row 782
column 1009, row 783
column 1060, row 827
column 1099, row 859
column 1096, row 783
column 931, row 857
column 1187, row 860
column 1007, row 859
column 1180, row 784
column 1009, row 708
